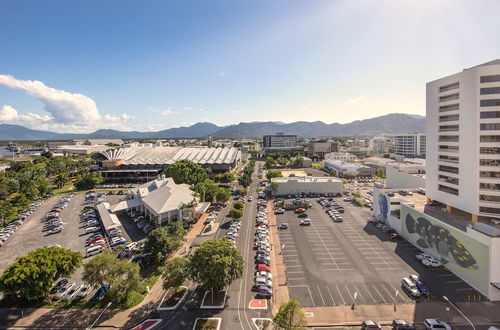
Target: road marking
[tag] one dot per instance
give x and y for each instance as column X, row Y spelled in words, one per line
column 383, row 300
column 464, row 289
column 310, row 293
column 297, row 286
column 319, row 291
column 292, row 266
column 328, row 288
column 352, row 298
column 359, row 294
column 296, row 278
column 369, row 293
column 343, row 301
column 383, row 287
column 295, row 272
column 443, row 275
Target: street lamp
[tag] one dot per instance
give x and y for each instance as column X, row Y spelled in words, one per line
column 109, row 304
column 458, row 310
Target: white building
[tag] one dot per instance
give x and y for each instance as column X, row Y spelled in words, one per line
column 405, row 176
column 307, row 185
column 410, row 145
column 378, row 145
column 347, row 169
column 343, row 156
column 463, row 140
column 321, row 148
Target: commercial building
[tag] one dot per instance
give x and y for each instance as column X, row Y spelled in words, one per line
column 344, row 169
column 141, row 163
column 306, row 185
column 343, row 156
column 321, row 148
column 280, row 143
column 463, row 140
column 378, row 146
column 455, row 222
column 410, row 145
column 405, row 176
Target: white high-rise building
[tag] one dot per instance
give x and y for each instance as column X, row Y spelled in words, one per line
column 463, row 140
column 378, row 145
column 410, row 145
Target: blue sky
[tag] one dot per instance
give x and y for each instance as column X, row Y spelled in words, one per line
column 149, row 65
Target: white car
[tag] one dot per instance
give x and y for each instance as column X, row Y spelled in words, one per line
column 422, row 256
column 436, row 324
column 432, row 263
column 72, row 293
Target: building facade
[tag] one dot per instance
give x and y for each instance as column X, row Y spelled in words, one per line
column 321, row 148
column 280, row 143
column 306, row 185
column 463, row 140
column 410, row 145
column 378, row 146
column 343, row 156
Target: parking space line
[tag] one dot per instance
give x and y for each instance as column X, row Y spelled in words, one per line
column 310, row 293
column 343, row 301
column 369, row 293
column 296, row 278
column 359, row 294
column 328, row 289
column 322, row 299
column 464, row 289
column 378, row 292
column 297, row 286
column 383, row 287
column 352, row 298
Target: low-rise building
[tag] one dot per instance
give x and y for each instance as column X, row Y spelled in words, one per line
column 305, row 185
column 407, row 176
column 321, row 148
column 344, row 169
column 343, row 156
column 280, row 143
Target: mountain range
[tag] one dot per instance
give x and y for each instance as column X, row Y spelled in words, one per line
column 388, row 124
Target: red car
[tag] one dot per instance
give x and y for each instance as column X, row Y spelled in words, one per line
column 263, row 268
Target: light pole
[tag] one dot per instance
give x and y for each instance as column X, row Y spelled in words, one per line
column 109, row 304
column 458, row 310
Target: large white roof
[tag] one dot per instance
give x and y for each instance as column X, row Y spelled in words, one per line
column 168, row 155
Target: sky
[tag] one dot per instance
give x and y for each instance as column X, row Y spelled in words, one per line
column 79, row 66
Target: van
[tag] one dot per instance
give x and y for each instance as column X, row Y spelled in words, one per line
column 93, row 251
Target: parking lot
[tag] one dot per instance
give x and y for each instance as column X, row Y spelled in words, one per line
column 348, row 262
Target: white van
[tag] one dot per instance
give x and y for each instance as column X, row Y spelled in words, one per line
column 93, row 251
column 91, row 229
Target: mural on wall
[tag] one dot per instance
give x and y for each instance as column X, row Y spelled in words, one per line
column 383, row 205
column 453, row 248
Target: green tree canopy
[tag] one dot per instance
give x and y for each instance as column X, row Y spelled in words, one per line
column 185, row 171
column 175, row 272
column 30, row 277
column 222, row 195
column 163, row 240
column 273, row 174
column 122, row 276
column 89, row 181
column 239, row 205
column 226, row 177
column 215, row 264
column 235, row 214
column 298, row 161
column 207, row 190
column 245, row 180
column 290, row 316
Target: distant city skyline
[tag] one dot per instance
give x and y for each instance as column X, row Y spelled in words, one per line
column 147, row 66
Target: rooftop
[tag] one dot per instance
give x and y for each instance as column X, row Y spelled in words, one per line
column 306, row 179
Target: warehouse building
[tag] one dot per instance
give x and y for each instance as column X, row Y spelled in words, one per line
column 306, row 185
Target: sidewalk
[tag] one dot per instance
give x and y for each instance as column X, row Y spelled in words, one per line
column 111, row 319
column 280, row 288
column 478, row 313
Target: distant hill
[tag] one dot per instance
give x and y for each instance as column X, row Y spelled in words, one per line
column 388, row 124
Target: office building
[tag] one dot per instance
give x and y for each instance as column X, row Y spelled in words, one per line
column 321, row 148
column 410, row 145
column 280, row 143
column 463, row 140
column 378, row 146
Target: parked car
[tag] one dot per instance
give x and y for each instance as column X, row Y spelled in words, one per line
column 369, row 324
column 83, row 292
column 100, row 292
column 283, row 226
column 303, row 215
column 58, row 286
column 432, row 263
column 63, row 291
column 402, row 325
column 264, row 291
column 72, row 293
column 409, row 287
column 436, row 324
column 305, row 222
column 419, row 283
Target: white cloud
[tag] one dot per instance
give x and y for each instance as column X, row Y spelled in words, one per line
column 10, row 115
column 117, row 119
column 169, row 112
column 223, row 74
column 203, row 110
column 356, row 100
column 235, row 112
column 64, row 107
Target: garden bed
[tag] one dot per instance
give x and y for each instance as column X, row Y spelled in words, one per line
column 263, row 323
column 217, row 300
column 172, row 298
column 207, row 324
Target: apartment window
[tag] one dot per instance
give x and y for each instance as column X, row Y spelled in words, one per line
column 450, row 107
column 448, row 128
column 448, row 190
column 490, row 114
column 489, row 150
column 449, row 169
column 490, row 127
column 489, row 162
column 448, row 148
column 448, row 179
column 490, row 138
column 449, row 87
column 489, row 186
column 494, row 78
column 448, row 118
column 489, row 174
column 492, row 210
column 449, row 159
column 489, row 198
column 448, row 97
column 490, row 103
column 448, row 138
column 490, row 90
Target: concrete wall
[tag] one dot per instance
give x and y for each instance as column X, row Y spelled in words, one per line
column 294, row 186
column 399, row 179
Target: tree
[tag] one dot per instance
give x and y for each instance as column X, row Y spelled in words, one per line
column 89, row 181
column 225, row 177
column 207, row 190
column 315, row 157
column 185, row 171
column 270, row 162
column 160, row 242
column 274, row 187
column 290, row 316
column 122, row 276
column 222, row 195
column 243, row 191
column 239, row 205
column 6, row 212
column 61, row 180
column 235, row 214
column 387, row 155
column 298, row 161
column 215, row 264
column 273, row 174
column 245, row 180
column 46, row 154
column 30, row 277
column 175, row 272
column 380, row 172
